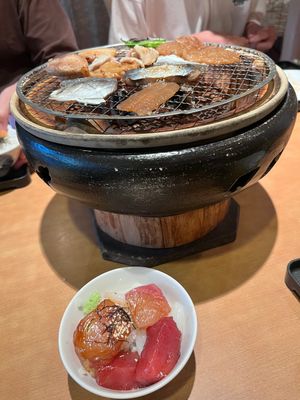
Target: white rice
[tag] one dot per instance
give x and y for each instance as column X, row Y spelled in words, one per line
column 136, row 341
column 116, row 297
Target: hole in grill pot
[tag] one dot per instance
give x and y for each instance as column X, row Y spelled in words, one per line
column 243, row 180
column 43, row 173
column 273, row 162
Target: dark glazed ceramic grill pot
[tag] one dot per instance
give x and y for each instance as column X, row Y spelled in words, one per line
column 160, row 181
column 160, row 195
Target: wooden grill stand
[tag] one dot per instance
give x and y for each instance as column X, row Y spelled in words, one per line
column 149, row 241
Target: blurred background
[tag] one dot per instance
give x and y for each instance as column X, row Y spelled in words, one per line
column 90, row 20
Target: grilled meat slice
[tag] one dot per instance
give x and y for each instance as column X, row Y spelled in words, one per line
column 149, row 99
column 68, row 66
column 147, row 55
column 212, row 55
column 91, row 54
column 180, row 46
column 115, row 69
column 168, row 48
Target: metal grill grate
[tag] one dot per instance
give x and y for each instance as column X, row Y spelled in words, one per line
column 220, row 92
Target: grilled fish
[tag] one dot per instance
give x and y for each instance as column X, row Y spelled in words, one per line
column 149, row 99
column 84, row 90
column 165, row 72
column 173, row 60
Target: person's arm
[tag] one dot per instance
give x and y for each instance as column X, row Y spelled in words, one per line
column 47, row 32
column 5, row 96
column 47, row 29
column 257, row 11
column 127, row 20
column 260, row 37
column 209, row 36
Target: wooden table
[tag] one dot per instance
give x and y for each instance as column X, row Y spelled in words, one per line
column 248, row 347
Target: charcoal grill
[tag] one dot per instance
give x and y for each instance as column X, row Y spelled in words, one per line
column 222, row 91
column 161, row 185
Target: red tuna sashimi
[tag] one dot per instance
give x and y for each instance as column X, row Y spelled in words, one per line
column 120, row 373
column 147, row 305
column 160, row 353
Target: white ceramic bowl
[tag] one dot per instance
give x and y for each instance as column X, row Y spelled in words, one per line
column 9, row 151
column 122, row 280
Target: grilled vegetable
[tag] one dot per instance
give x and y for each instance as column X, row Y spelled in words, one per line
column 149, row 42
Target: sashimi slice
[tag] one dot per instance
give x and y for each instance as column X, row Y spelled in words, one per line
column 147, row 304
column 120, row 373
column 161, row 352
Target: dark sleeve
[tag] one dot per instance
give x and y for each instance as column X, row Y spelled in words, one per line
column 47, row 29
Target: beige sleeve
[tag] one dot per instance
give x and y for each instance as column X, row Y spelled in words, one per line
column 290, row 46
column 257, row 11
column 127, row 20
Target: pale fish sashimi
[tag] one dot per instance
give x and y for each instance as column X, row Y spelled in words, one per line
column 85, row 90
column 147, row 305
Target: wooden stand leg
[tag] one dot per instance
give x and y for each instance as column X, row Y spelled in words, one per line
column 162, row 232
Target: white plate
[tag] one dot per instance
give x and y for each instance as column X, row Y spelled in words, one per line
column 9, row 151
column 293, row 76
